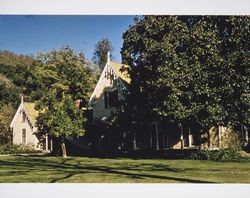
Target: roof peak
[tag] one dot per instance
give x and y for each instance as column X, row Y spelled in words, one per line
column 21, row 99
column 118, row 67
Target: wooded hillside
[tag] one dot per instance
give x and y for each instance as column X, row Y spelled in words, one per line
column 29, row 76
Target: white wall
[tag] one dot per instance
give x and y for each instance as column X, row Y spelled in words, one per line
column 98, row 104
column 18, row 125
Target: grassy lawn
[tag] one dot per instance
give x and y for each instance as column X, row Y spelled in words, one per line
column 87, row 170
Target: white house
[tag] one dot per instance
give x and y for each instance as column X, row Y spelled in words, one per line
column 109, row 89
column 158, row 135
column 24, row 129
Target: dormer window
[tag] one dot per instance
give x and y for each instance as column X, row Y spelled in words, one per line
column 110, row 98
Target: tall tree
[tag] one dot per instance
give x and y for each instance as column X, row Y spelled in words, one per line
column 102, row 48
column 189, row 69
column 66, row 80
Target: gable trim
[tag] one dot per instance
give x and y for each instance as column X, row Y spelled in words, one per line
column 20, row 108
column 108, row 64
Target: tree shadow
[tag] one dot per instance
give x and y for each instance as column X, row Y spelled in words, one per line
column 71, row 167
column 62, row 178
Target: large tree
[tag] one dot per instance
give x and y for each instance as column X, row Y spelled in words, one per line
column 189, row 69
column 102, row 48
column 66, row 80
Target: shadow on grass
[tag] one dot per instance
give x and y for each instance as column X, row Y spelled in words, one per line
column 71, row 167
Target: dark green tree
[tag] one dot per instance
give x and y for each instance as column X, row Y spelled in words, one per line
column 191, row 69
column 102, row 48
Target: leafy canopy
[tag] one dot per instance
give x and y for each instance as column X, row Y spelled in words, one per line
column 190, row 69
column 102, row 48
column 66, row 80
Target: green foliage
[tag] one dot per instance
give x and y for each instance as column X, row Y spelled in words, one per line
column 65, row 72
column 231, row 140
column 8, row 91
column 102, row 48
column 17, row 75
column 60, row 118
column 12, row 59
column 96, row 72
column 17, row 149
column 65, row 80
column 189, row 70
column 215, row 155
column 57, row 79
column 20, row 70
column 6, row 115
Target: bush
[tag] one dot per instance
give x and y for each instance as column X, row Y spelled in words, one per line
column 223, row 154
column 18, row 149
column 231, row 140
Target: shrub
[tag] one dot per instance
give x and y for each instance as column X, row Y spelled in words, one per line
column 222, row 154
column 18, row 149
column 231, row 140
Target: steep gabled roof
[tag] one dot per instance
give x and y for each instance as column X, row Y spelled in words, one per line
column 118, row 68
column 29, row 108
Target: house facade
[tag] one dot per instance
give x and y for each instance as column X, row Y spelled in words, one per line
column 109, row 90
column 24, row 130
column 159, row 135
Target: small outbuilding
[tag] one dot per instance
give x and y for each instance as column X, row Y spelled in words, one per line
column 23, row 127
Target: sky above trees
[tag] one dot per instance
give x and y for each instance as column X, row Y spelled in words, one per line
column 31, row 34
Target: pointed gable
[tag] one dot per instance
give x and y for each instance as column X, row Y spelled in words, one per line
column 31, row 112
column 29, row 109
column 119, row 70
column 116, row 70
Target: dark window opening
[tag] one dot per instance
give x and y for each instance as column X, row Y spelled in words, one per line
column 23, row 117
column 110, row 98
column 23, row 136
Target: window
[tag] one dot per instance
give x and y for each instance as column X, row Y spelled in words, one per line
column 23, row 136
column 110, row 98
column 23, row 117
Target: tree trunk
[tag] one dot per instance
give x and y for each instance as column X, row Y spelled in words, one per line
column 182, row 138
column 157, row 135
column 64, row 151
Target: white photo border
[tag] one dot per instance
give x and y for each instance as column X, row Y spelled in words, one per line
column 124, row 7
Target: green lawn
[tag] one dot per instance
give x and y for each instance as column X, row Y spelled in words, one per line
column 86, row 170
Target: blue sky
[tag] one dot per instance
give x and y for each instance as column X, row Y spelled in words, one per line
column 31, row 34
